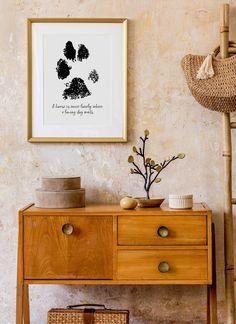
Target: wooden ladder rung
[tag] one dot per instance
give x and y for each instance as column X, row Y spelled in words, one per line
column 233, row 201
column 232, row 50
column 233, row 125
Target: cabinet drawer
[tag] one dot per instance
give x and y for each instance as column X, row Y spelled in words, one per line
column 86, row 253
column 162, row 230
column 183, row 264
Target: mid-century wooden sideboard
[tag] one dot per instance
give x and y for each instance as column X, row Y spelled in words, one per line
column 103, row 244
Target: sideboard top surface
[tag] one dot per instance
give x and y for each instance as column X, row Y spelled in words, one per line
column 198, row 208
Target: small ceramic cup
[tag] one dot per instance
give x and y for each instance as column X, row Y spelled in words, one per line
column 180, row 201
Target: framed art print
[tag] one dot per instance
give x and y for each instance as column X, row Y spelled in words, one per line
column 77, row 80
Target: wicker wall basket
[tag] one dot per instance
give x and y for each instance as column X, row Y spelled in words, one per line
column 71, row 315
column 219, row 92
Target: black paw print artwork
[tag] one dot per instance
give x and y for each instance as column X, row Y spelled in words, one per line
column 76, row 88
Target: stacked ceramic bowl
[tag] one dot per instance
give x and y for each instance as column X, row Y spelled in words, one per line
column 60, row 192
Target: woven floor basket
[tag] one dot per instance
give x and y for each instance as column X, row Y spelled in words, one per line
column 73, row 316
column 217, row 93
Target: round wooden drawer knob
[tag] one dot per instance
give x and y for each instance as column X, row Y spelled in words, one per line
column 163, row 267
column 67, row 229
column 163, row 231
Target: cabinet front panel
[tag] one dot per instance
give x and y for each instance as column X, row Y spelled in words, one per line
column 73, row 247
column 162, row 230
column 166, row 264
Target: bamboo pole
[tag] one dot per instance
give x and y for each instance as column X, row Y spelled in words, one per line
column 227, row 156
column 234, row 201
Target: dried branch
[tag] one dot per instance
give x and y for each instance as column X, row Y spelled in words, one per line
column 163, row 166
column 138, row 170
column 149, row 165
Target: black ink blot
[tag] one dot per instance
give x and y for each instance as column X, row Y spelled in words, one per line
column 76, row 89
column 83, row 52
column 69, row 51
column 93, row 75
column 63, row 70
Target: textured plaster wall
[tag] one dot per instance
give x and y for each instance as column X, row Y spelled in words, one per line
column 160, row 33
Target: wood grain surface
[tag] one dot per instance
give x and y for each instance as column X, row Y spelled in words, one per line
column 143, row 230
column 93, row 210
column 142, row 264
column 86, row 253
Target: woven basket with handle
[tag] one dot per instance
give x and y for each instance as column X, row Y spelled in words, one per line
column 219, row 92
column 89, row 314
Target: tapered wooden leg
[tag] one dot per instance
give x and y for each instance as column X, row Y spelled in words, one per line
column 19, row 303
column 211, row 305
column 20, row 297
column 26, row 305
column 211, row 289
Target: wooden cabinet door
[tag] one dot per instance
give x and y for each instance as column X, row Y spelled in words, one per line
column 86, row 253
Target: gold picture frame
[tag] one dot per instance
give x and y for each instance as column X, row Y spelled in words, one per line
column 31, row 137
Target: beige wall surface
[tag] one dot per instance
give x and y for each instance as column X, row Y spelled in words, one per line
column 160, row 33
